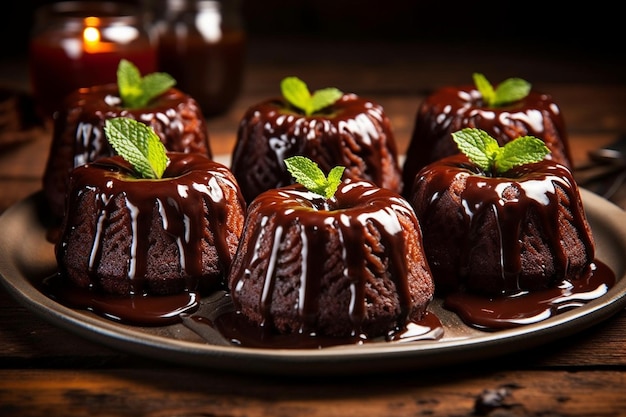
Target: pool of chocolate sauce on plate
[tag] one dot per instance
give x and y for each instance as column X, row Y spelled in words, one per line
column 484, row 313
column 137, row 310
column 166, row 310
column 531, row 307
column 239, row 331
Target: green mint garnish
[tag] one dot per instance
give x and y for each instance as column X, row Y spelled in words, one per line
column 298, row 95
column 138, row 144
column 137, row 91
column 484, row 151
column 309, row 174
column 508, row 91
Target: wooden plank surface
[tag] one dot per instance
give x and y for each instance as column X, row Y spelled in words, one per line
column 184, row 392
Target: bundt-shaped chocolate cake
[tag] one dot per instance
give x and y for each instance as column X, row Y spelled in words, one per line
column 453, row 108
column 346, row 266
column 351, row 131
column 128, row 236
column 78, row 135
column 522, row 230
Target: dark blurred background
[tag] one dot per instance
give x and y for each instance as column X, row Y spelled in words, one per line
column 593, row 29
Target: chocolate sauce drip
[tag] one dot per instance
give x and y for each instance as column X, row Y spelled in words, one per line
column 167, row 115
column 190, row 185
column 354, row 133
column 451, row 109
column 532, row 191
column 355, row 206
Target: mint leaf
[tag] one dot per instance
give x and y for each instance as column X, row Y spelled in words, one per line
column 523, row 150
column 297, row 93
column 138, row 144
column 477, row 145
column 510, row 91
column 155, row 84
column 309, row 174
column 485, row 88
column 507, row 92
column 137, row 91
column 334, row 179
column 306, row 172
column 324, row 98
column 484, row 150
column 128, row 82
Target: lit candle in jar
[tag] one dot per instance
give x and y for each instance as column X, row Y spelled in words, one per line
column 80, row 44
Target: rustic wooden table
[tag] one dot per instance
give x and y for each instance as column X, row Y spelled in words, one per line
column 47, row 371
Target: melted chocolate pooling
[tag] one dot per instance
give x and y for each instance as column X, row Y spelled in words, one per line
column 529, row 307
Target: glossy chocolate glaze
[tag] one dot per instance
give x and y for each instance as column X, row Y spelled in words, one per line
column 190, row 185
column 451, row 109
column 78, row 135
column 355, row 205
column 348, row 213
column 526, row 192
column 530, row 307
column 354, row 133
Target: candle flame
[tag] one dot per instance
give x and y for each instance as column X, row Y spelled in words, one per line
column 92, row 42
column 91, row 34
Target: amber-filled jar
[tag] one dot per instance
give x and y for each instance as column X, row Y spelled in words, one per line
column 78, row 44
column 201, row 44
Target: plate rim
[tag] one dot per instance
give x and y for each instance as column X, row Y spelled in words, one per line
column 347, row 359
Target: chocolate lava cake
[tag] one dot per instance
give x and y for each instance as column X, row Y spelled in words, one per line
column 78, row 135
column 128, row 236
column 353, row 132
column 349, row 265
column 496, row 235
column 453, row 108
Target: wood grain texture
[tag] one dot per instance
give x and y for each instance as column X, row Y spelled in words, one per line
column 174, row 392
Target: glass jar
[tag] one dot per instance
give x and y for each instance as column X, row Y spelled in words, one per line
column 78, row 44
column 201, row 44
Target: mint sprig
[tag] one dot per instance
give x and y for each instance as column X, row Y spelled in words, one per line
column 138, row 144
column 297, row 93
column 484, row 150
column 508, row 91
column 137, row 91
column 309, row 174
